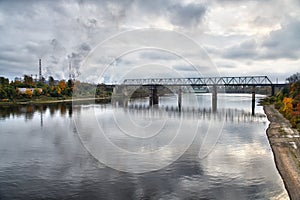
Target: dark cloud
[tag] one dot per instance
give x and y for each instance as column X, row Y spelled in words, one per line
column 187, row 15
column 247, row 49
column 178, row 14
column 11, row 58
column 283, row 43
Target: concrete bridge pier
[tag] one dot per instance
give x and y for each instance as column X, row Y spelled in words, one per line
column 153, row 99
column 120, row 96
column 253, row 100
column 214, row 98
column 272, row 90
column 179, row 99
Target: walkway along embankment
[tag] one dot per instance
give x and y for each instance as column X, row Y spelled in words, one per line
column 285, row 143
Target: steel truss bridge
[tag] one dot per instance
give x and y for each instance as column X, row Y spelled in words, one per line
column 214, row 82
column 204, row 81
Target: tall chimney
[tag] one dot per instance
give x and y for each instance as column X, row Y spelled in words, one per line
column 40, row 70
column 70, row 75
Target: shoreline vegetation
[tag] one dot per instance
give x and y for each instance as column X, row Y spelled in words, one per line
column 30, row 91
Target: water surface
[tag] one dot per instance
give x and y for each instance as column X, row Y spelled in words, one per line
column 43, row 155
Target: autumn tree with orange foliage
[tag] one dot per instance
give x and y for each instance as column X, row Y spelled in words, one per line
column 63, row 87
column 62, row 84
column 28, row 93
column 287, row 107
column 288, row 103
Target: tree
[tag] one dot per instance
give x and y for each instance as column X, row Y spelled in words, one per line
column 36, row 92
column 100, row 90
column 7, row 92
column 46, row 90
column 40, row 84
column 297, row 110
column 294, row 78
column 70, row 87
column 28, row 93
column 62, row 85
column 70, row 84
column 295, row 89
column 28, row 81
column 3, row 94
column 55, row 91
column 4, row 81
column 51, row 81
column 17, row 84
column 287, row 107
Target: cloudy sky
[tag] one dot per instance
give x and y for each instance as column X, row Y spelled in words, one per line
column 240, row 37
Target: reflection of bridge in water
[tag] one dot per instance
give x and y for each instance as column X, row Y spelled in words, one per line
column 213, row 83
column 228, row 115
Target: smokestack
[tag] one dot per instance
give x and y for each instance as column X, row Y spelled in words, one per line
column 40, row 70
column 70, row 75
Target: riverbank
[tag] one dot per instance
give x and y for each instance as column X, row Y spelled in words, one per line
column 285, row 143
column 53, row 101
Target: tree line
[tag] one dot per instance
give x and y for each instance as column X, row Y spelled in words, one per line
column 14, row 90
column 287, row 101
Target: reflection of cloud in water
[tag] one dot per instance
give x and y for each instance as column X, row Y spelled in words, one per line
column 247, row 164
column 227, row 159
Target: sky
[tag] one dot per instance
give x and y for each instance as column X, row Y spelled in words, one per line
column 107, row 41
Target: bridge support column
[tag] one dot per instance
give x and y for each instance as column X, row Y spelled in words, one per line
column 214, row 98
column 272, row 90
column 153, row 99
column 253, row 100
column 179, row 99
column 115, row 90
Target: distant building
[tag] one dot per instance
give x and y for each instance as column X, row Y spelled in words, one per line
column 22, row 90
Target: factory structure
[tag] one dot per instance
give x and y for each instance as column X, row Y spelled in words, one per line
column 39, row 77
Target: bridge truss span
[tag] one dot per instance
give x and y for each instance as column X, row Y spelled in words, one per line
column 203, row 81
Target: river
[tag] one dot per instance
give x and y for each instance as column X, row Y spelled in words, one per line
column 105, row 151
